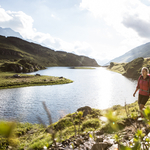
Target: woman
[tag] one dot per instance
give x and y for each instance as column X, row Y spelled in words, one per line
column 143, row 86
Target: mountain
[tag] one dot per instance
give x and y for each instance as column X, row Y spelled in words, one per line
column 140, row 51
column 27, row 54
column 9, row 32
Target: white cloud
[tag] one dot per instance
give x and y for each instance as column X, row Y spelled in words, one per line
column 121, row 26
column 22, row 23
column 4, row 17
column 18, row 21
column 113, row 12
column 129, row 18
column 52, row 15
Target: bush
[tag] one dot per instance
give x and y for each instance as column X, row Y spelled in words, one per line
column 62, row 123
column 116, row 107
column 95, row 113
column 92, row 123
column 22, row 128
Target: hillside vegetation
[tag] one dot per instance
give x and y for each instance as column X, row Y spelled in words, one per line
column 131, row 69
column 21, row 56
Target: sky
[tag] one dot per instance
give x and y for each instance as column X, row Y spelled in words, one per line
column 99, row 29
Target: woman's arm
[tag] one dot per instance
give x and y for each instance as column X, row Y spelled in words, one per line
column 135, row 91
column 137, row 87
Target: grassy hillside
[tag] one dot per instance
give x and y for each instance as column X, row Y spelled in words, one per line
column 131, row 69
column 14, row 49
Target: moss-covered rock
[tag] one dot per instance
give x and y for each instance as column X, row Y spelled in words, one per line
column 91, row 123
column 133, row 68
column 63, row 123
column 15, row 67
column 111, row 65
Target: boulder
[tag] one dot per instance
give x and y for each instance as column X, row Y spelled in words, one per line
column 101, row 132
column 99, row 139
column 37, row 74
column 113, row 147
column 16, row 76
column 78, row 142
column 100, row 146
column 86, row 110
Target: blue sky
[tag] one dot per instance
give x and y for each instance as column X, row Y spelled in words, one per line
column 99, row 29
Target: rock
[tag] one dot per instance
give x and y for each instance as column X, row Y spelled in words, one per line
column 61, row 77
column 86, row 137
column 78, row 142
column 12, row 67
column 99, row 139
column 132, row 68
column 101, row 132
column 16, row 76
column 44, row 148
column 111, row 65
column 113, row 147
column 144, row 129
column 99, row 146
column 86, row 110
column 31, row 131
column 148, row 134
column 109, row 140
column 60, row 148
column 37, row 74
column 10, row 147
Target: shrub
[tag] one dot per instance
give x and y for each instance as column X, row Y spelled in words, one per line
column 116, row 107
column 95, row 113
column 22, row 128
column 91, row 123
column 62, row 123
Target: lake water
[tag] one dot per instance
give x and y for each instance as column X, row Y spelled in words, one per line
column 97, row 88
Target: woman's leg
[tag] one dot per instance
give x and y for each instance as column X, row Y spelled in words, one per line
column 141, row 106
column 142, row 100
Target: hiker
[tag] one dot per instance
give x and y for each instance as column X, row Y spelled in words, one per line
column 143, row 86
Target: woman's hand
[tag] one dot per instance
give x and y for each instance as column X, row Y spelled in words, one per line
column 134, row 94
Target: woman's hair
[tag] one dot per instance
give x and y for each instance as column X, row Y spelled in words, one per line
column 146, row 69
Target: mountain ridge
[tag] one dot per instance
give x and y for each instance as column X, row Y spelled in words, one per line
column 14, row 49
column 139, row 51
column 9, row 32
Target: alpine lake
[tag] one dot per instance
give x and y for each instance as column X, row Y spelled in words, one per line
column 95, row 87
